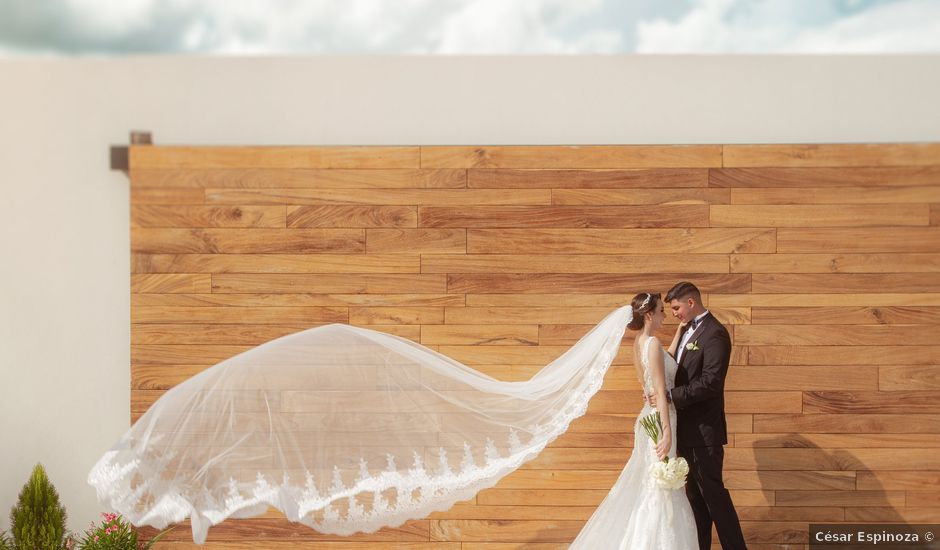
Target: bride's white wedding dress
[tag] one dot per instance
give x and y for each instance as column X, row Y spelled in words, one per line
column 636, row 514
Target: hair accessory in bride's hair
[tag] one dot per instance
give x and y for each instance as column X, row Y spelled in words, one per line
column 646, row 301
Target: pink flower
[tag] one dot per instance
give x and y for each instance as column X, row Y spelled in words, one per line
column 96, row 538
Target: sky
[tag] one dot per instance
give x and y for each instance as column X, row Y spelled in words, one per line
column 466, row 27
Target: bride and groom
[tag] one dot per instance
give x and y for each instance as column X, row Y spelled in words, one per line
column 685, row 384
column 303, row 423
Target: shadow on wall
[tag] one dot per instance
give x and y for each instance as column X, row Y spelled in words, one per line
column 807, row 484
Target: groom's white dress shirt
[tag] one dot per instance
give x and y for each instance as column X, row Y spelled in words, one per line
column 696, row 323
column 688, row 335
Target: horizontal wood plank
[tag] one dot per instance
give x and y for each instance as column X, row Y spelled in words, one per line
column 871, row 402
column 843, row 355
column 275, row 263
column 586, row 179
column 481, row 335
column 898, row 239
column 628, row 284
column 756, row 458
column 824, row 177
column 874, row 299
column 415, row 241
column 249, row 178
column 620, row 241
column 273, row 157
column 572, row 263
column 817, row 215
column 835, row 263
column 659, row 197
column 378, row 315
column 828, row 335
column 847, row 315
column 604, row 217
column 554, row 157
column 297, row 300
column 207, row 216
column 351, row 216
column 803, row 378
column 394, row 197
column 786, row 283
column 861, row 423
column 835, row 154
column 246, row 241
column 893, row 196
column 909, row 377
column 273, row 283
column 171, row 283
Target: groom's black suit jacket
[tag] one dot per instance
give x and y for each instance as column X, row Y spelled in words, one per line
column 699, row 392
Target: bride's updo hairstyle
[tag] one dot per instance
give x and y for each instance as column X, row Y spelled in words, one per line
column 642, row 303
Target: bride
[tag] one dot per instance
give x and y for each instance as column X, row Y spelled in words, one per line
column 636, row 514
column 349, row 430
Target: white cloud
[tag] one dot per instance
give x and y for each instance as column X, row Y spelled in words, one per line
column 308, row 26
column 523, row 26
column 467, row 26
column 795, row 26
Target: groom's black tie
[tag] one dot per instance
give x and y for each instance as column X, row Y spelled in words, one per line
column 693, row 324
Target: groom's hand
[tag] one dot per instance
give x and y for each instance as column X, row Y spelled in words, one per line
column 651, row 399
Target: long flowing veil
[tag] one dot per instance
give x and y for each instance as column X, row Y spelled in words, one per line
column 343, row 429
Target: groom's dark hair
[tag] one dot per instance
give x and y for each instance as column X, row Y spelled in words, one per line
column 683, row 290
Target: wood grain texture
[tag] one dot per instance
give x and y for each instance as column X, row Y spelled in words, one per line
column 835, row 263
column 261, row 178
column 908, row 283
column 909, row 196
column 586, row 179
column 554, row 157
column 396, row 197
column 780, row 176
column 821, row 260
column 572, row 263
column 620, row 241
column 297, row 300
column 847, row 154
column 897, row 239
column 246, row 241
column 604, row 217
column 208, row 216
column 817, row 215
column 274, row 157
column 327, row 283
column 351, row 216
column 579, row 283
column 849, row 315
column 275, row 263
column 171, row 283
column 661, row 197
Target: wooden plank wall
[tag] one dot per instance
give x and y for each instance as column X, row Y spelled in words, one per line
column 823, row 260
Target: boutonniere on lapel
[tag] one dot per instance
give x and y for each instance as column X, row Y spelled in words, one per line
column 692, row 346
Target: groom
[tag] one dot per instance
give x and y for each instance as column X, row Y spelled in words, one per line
column 703, row 354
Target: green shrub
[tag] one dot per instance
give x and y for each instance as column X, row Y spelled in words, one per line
column 38, row 519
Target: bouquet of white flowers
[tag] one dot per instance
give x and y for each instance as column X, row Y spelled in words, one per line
column 667, row 474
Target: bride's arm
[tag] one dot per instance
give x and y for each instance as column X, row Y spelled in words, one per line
column 674, row 346
column 658, row 373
